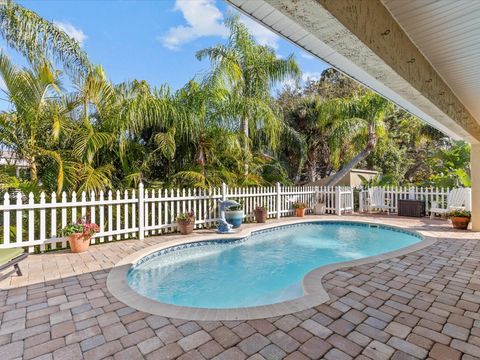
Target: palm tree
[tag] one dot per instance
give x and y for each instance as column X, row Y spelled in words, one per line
column 249, row 71
column 39, row 40
column 361, row 119
column 36, row 120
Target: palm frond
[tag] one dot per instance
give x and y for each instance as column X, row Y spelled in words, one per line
column 38, row 39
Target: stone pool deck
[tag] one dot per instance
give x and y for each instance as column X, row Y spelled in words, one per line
column 421, row 305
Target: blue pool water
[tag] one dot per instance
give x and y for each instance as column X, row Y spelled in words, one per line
column 265, row 268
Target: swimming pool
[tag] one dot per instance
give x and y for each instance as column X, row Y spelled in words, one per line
column 264, row 268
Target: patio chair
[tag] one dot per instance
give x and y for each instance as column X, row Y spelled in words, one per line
column 376, row 200
column 11, row 257
column 457, row 199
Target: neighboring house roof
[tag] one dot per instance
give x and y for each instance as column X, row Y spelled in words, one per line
column 8, row 157
column 323, row 181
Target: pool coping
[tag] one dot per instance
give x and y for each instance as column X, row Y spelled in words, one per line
column 316, row 294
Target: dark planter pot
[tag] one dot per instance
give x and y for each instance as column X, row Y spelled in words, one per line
column 234, row 217
column 460, row 222
column 261, row 215
column 300, row 212
column 185, row 228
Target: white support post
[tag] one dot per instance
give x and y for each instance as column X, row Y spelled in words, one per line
column 338, row 209
column 475, row 170
column 279, row 205
column 141, row 212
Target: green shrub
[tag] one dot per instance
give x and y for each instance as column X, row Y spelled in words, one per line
column 299, row 205
column 459, row 213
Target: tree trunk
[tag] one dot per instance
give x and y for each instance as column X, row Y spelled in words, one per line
column 372, row 141
column 346, row 169
column 246, row 148
column 33, row 169
column 200, row 156
column 311, row 167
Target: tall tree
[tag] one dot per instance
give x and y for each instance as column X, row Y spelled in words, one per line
column 249, row 71
column 35, row 121
column 366, row 113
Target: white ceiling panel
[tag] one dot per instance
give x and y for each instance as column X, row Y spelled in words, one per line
column 447, row 32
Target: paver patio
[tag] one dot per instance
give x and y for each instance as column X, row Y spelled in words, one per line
column 422, row 305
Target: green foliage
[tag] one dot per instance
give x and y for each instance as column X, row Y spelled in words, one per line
column 299, row 205
column 72, row 229
column 38, row 39
column 83, row 226
column 459, row 213
column 186, row 218
column 236, row 207
column 225, row 127
column 378, row 180
column 450, row 164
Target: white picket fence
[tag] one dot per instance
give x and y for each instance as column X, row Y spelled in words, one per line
column 37, row 223
column 393, row 194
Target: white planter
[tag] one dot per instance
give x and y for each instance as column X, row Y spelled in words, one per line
column 320, row 208
column 234, row 217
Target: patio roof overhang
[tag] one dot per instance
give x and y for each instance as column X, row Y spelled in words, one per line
column 424, row 56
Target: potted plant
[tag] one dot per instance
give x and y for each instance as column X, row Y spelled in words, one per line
column 261, row 213
column 460, row 218
column 234, row 215
column 185, row 222
column 300, row 208
column 80, row 233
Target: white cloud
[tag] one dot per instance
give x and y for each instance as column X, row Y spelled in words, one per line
column 71, row 30
column 313, row 76
column 288, row 84
column 307, row 56
column 204, row 18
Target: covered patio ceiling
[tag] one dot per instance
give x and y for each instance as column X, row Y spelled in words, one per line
column 422, row 55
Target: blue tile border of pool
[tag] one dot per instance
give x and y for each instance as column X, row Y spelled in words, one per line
column 315, row 294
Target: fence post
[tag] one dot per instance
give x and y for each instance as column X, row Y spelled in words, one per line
column 360, row 201
column 224, row 191
column 338, row 203
column 6, row 220
column 141, row 212
column 352, row 200
column 279, row 206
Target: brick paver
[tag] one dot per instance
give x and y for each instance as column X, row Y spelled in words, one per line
column 421, row 305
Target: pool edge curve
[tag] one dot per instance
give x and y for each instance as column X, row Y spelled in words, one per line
column 117, row 282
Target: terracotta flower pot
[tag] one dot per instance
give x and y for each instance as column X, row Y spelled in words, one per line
column 300, row 212
column 185, row 228
column 79, row 242
column 260, row 215
column 460, row 222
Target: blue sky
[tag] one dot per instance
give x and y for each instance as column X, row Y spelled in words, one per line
column 154, row 40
